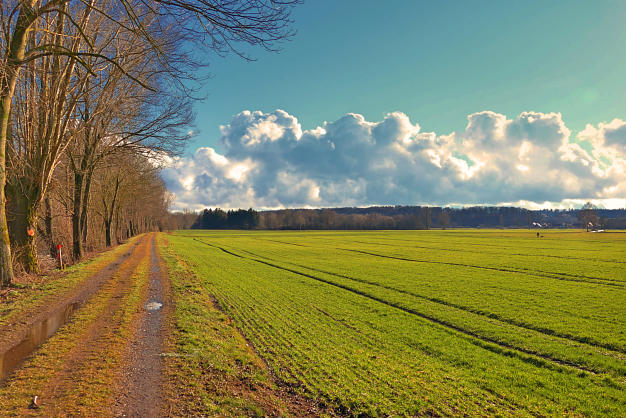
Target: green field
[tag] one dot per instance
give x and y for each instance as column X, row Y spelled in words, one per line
column 417, row 322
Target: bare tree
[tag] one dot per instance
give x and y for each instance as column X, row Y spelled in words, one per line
column 221, row 27
column 444, row 219
column 425, row 217
column 120, row 115
column 182, row 220
column 588, row 216
column 43, row 125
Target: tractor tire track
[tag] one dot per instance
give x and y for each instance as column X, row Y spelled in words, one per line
column 139, row 386
column 541, row 330
column 490, row 344
column 93, row 340
column 493, row 253
column 15, row 330
column 482, row 244
column 509, row 270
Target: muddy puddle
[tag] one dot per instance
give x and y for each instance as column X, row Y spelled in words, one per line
column 153, row 306
column 37, row 335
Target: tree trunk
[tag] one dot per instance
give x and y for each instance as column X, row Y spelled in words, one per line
column 24, row 209
column 107, row 232
column 82, row 186
column 49, row 231
column 7, row 88
column 76, row 226
column 6, row 266
column 85, row 206
column 12, row 66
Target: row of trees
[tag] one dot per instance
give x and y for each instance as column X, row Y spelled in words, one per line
column 218, row 219
column 93, row 94
column 400, row 217
column 421, row 218
column 304, row 219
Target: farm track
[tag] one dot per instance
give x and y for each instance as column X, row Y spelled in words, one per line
column 545, row 331
column 534, row 358
column 107, row 359
column 93, row 339
column 138, row 389
column 18, row 326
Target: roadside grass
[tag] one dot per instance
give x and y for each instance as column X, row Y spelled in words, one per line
column 19, row 299
column 428, row 322
column 210, row 369
column 92, row 377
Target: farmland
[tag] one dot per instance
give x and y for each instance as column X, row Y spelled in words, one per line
column 417, row 322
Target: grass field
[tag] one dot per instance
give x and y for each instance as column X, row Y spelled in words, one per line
column 415, row 322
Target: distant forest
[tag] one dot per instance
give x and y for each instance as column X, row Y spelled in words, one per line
column 402, row 217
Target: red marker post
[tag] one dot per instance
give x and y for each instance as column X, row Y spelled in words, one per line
column 59, row 254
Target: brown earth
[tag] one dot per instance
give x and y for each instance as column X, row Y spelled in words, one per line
column 93, row 341
column 132, row 367
column 15, row 330
column 139, row 385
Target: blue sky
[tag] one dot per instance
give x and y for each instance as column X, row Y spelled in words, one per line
column 415, row 102
column 435, row 61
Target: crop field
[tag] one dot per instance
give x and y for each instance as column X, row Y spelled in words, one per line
column 417, row 322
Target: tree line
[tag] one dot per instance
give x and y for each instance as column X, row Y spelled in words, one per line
column 401, row 217
column 94, row 96
column 219, row 219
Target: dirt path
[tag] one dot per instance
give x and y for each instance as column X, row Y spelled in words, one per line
column 93, row 342
column 14, row 331
column 108, row 358
column 139, row 386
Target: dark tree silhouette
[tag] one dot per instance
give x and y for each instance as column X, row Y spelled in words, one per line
column 588, row 216
column 444, row 219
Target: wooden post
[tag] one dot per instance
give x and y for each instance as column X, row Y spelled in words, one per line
column 61, row 266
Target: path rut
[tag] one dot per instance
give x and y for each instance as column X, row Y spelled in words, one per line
column 139, row 386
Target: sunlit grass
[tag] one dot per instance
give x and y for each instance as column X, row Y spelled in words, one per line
column 412, row 322
column 210, row 368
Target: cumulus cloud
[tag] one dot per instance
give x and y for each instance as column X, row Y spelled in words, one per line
column 270, row 162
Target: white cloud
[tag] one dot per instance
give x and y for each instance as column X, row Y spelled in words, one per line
column 533, row 159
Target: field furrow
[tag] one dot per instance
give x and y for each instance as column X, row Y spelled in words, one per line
column 575, row 352
column 448, row 334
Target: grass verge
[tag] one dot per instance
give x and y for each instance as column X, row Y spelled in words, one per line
column 70, row 375
column 18, row 299
column 210, row 368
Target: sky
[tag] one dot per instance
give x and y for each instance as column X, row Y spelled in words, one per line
column 415, row 102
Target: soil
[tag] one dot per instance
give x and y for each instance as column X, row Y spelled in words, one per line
column 140, row 385
column 15, row 330
column 93, row 340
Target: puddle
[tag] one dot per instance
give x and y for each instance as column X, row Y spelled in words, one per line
column 38, row 333
column 154, row 306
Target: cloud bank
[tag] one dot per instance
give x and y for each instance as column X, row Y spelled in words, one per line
column 270, row 162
